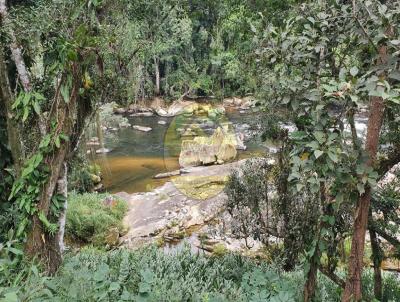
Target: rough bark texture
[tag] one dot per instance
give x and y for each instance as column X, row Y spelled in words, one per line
column 311, row 282
column 352, row 290
column 14, row 138
column 62, row 189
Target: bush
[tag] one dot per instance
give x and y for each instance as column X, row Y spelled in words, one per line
column 89, row 218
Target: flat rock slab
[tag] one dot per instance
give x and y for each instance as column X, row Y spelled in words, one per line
column 152, row 212
column 142, row 128
column 167, row 174
column 137, row 114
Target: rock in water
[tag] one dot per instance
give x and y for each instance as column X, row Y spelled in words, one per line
column 162, row 112
column 226, row 152
column 142, row 114
column 102, row 151
column 162, row 122
column 142, row 128
column 167, row 174
column 208, row 150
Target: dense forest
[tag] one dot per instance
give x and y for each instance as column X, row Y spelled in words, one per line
column 199, row 150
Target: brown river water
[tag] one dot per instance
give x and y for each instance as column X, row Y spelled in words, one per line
column 136, row 157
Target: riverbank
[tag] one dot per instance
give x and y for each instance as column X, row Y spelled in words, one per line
column 189, row 206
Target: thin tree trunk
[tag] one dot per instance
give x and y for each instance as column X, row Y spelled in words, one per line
column 377, row 260
column 157, row 73
column 13, row 133
column 16, row 54
column 62, row 189
column 353, row 290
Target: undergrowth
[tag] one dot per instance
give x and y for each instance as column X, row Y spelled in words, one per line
column 90, row 218
column 152, row 275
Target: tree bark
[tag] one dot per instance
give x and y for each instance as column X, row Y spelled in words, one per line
column 353, row 290
column 62, row 189
column 13, row 133
column 377, row 260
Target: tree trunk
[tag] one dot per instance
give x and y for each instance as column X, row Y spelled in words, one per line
column 62, row 189
column 377, row 260
column 13, row 133
column 157, row 73
column 40, row 243
column 311, row 282
column 353, row 290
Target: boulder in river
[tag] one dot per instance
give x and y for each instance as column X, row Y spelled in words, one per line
column 142, row 128
column 208, row 150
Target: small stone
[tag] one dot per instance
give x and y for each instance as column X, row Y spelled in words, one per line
column 142, row 128
column 145, row 114
column 162, row 122
column 103, row 151
column 162, row 112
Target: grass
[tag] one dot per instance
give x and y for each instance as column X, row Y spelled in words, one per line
column 90, row 219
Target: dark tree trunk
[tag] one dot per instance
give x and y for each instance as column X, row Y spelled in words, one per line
column 377, row 260
column 13, row 133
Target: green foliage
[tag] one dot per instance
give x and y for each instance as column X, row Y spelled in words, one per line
column 90, row 216
column 152, row 275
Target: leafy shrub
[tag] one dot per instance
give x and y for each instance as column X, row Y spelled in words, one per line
column 89, row 218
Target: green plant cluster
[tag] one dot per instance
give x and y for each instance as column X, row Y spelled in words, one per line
column 90, row 217
column 152, row 275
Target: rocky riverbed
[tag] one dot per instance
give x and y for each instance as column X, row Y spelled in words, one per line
column 189, row 207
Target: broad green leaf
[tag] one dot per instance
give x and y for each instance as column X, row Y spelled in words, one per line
column 318, row 153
